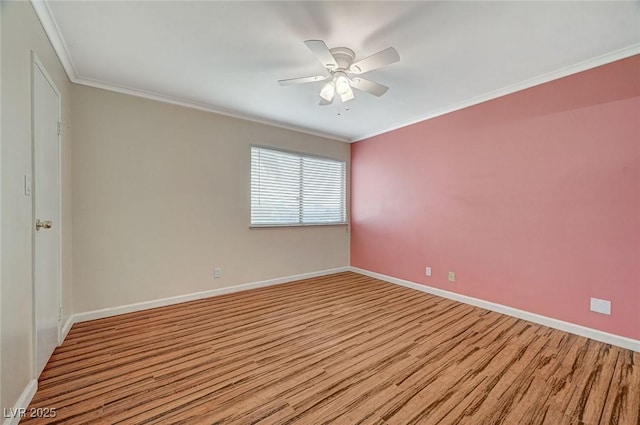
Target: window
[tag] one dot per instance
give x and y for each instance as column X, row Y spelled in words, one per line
column 289, row 189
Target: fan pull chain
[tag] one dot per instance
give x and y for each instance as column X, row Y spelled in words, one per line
column 346, row 109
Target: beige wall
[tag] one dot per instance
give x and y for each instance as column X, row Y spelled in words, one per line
column 22, row 33
column 161, row 197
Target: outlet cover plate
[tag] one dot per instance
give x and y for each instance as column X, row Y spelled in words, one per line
column 601, row 306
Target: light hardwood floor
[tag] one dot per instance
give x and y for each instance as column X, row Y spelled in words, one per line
column 340, row 349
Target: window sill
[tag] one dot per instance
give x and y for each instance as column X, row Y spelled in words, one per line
column 275, row 226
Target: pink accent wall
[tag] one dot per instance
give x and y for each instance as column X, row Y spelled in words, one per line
column 532, row 199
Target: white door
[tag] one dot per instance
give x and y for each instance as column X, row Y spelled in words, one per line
column 46, row 193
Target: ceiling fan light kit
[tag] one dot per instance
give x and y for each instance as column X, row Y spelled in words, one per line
column 347, row 96
column 328, row 91
column 340, row 65
column 342, row 83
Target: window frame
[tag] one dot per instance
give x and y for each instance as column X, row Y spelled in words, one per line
column 302, row 155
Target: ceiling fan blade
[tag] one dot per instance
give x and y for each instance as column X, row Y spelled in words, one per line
column 369, row 86
column 322, row 52
column 302, row 80
column 324, row 102
column 375, row 61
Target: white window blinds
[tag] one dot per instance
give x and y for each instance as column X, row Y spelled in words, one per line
column 289, row 189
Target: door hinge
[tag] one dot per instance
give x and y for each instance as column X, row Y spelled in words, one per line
column 59, row 128
column 60, row 313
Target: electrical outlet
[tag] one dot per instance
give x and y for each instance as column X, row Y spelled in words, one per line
column 452, row 277
column 217, row 272
column 601, row 306
column 427, row 271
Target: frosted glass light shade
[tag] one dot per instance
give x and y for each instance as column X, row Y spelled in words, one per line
column 328, row 91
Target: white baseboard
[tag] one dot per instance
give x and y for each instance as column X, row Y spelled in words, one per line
column 129, row 308
column 66, row 328
column 573, row 328
column 13, row 415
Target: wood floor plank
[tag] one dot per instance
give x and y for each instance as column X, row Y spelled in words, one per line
column 619, row 406
column 343, row 349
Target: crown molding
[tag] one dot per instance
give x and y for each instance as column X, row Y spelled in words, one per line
column 623, row 53
column 202, row 107
column 52, row 31
column 57, row 41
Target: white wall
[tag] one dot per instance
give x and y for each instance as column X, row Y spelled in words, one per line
column 22, row 33
column 161, row 197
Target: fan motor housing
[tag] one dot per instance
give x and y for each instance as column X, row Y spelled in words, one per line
column 343, row 56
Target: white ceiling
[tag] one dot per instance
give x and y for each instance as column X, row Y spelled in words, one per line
column 227, row 56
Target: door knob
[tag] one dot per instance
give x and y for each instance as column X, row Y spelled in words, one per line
column 46, row 224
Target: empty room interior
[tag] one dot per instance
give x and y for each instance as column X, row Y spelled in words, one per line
column 320, row 212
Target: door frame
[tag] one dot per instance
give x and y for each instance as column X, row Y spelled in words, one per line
column 37, row 65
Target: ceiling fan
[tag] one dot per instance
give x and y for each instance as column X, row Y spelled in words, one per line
column 344, row 72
